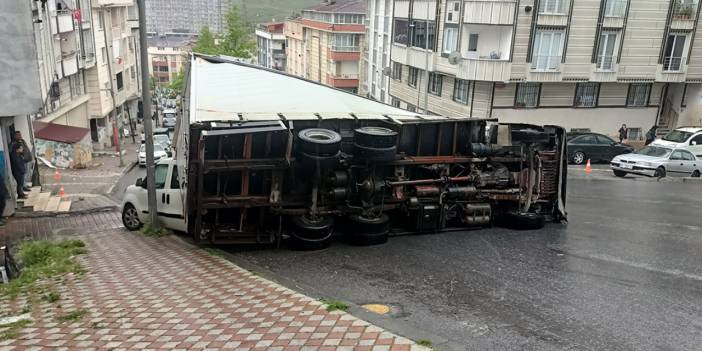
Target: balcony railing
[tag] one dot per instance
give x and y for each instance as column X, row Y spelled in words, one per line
column 553, row 7
column 616, row 8
column 684, row 10
column 346, row 48
column 546, row 63
column 674, row 64
column 605, row 63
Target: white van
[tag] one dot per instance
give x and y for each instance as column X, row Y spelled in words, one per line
column 687, row 138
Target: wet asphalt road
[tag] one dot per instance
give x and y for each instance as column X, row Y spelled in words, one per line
column 624, row 274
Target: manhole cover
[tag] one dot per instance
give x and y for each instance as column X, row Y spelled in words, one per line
column 377, row 308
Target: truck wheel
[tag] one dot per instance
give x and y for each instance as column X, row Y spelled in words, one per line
column 368, row 231
column 130, row 217
column 319, row 142
column 619, row 174
column 521, row 221
column 374, row 154
column 323, row 162
column 311, row 234
column 375, row 137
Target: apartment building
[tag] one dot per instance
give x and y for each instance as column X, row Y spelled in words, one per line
column 582, row 64
column 114, row 83
column 168, row 54
column 375, row 62
column 332, row 33
column 185, row 16
column 295, row 54
column 270, row 45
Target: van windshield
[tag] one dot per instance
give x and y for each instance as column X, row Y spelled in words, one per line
column 677, row 136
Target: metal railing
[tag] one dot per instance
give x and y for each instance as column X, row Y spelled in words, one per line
column 684, row 10
column 616, row 8
column 605, row 63
column 553, row 7
column 346, row 48
column 546, row 63
column 673, row 64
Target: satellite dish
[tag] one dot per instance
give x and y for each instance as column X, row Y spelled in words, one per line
column 454, row 58
column 387, row 71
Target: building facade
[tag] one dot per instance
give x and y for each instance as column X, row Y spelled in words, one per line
column 582, row 64
column 168, row 54
column 270, row 45
column 375, row 62
column 295, row 53
column 332, row 33
column 185, row 16
column 114, row 83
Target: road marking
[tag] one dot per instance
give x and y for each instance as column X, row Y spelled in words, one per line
column 644, row 266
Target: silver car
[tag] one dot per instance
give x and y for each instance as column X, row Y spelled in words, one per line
column 657, row 161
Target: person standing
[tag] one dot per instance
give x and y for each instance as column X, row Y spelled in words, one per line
column 26, row 156
column 651, row 135
column 623, row 132
column 19, row 167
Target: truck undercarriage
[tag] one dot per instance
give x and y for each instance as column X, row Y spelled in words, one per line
column 368, row 179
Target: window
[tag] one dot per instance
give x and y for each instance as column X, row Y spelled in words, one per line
column 450, row 39
column 687, row 156
column 423, row 34
column 104, row 55
column 634, row 134
column 547, row 50
column 395, row 102
column 412, row 78
column 461, row 90
column 346, row 42
column 397, row 71
column 401, row 32
column 677, row 155
column 175, row 184
column 120, row 81
column 585, row 140
column 101, row 20
column 553, row 7
column 346, row 18
column 453, row 11
column 160, row 176
column 673, row 56
column 527, row 95
column 615, row 8
column 697, row 140
column 605, row 54
column 638, row 95
column 603, row 140
column 411, row 108
column 473, row 42
column 76, row 82
column 586, row 94
column 133, row 72
column 435, row 83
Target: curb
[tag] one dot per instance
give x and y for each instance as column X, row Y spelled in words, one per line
column 129, row 168
column 69, row 213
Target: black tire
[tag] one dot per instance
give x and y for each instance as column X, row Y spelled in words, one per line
column 620, row 174
column 311, row 234
column 368, row 231
column 579, row 158
column 695, row 174
column 660, row 172
column 374, row 154
column 319, row 142
column 323, row 162
column 375, row 137
column 521, row 221
column 130, row 217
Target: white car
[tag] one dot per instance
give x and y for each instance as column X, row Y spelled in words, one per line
column 159, row 153
column 687, row 138
column 657, row 161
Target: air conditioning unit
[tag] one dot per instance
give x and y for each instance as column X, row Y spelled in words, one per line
column 453, row 12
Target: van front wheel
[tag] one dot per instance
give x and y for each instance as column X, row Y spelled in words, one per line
column 130, row 217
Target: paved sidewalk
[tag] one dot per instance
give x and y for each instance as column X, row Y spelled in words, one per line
column 163, row 293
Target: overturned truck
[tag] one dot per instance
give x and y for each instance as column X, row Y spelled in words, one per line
column 262, row 156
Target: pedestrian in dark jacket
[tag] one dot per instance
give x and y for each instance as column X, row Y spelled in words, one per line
column 651, row 135
column 19, row 167
column 623, row 132
column 26, row 155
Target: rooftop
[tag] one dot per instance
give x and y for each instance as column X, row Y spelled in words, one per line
column 59, row 133
column 171, row 40
column 341, row 6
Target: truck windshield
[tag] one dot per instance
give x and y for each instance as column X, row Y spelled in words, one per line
column 654, row 151
column 677, row 136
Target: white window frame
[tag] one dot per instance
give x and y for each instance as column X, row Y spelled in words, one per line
column 435, row 83
column 615, row 8
column 548, row 59
column 450, row 42
column 553, row 7
column 461, row 91
column 396, row 71
column 586, row 100
column 674, row 63
column 603, row 63
column 523, row 92
column 637, row 98
column 453, row 12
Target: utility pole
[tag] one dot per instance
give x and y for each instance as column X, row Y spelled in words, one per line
column 146, row 104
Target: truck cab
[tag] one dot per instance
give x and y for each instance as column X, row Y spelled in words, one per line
column 169, row 199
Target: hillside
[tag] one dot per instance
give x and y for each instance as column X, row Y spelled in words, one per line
column 257, row 11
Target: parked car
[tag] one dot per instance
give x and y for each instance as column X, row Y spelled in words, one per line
column 159, row 153
column 687, row 138
column 169, row 122
column 594, row 147
column 657, row 161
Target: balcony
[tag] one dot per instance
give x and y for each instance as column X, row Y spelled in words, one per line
column 115, row 3
column 490, row 12
column 88, row 60
column 64, row 21
column 342, row 80
column 415, row 57
column 349, row 53
column 683, row 14
column 69, row 63
column 477, row 69
column 546, row 63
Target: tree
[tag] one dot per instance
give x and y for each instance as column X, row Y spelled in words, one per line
column 205, row 42
column 176, row 84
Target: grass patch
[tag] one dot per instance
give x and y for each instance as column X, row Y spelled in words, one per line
column 214, row 252
column 424, row 342
column 334, row 305
column 149, row 230
column 51, row 296
column 72, row 316
column 11, row 330
column 44, row 259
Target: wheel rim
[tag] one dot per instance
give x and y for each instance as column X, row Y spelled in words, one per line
column 131, row 217
column 696, row 174
column 579, row 157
